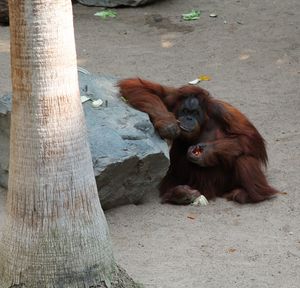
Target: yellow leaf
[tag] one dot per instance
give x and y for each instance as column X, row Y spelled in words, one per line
column 204, row 78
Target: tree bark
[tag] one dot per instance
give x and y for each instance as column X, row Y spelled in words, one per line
column 55, row 233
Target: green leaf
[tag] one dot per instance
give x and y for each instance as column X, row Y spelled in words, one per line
column 193, row 15
column 106, row 13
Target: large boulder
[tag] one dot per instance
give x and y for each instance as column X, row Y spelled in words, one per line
column 129, row 158
column 115, row 3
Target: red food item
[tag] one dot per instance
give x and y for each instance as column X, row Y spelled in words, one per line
column 197, row 151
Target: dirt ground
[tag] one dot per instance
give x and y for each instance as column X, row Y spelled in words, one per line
column 251, row 51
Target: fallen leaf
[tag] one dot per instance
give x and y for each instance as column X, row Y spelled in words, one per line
column 231, row 250
column 166, row 44
column 204, row 78
column 106, row 13
column 192, row 216
column 193, row 15
column 244, row 56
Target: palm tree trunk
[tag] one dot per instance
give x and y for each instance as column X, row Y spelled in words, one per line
column 55, row 233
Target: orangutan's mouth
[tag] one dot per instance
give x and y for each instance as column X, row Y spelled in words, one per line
column 184, row 128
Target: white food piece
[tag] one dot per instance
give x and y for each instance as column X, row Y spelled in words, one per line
column 200, row 201
column 84, row 98
column 213, row 15
column 97, row 103
column 194, row 82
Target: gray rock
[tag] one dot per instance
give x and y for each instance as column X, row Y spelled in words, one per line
column 115, row 3
column 129, row 158
column 5, row 108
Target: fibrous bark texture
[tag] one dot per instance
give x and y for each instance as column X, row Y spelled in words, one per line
column 55, row 233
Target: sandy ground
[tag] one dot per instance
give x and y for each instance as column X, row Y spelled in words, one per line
column 251, row 51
